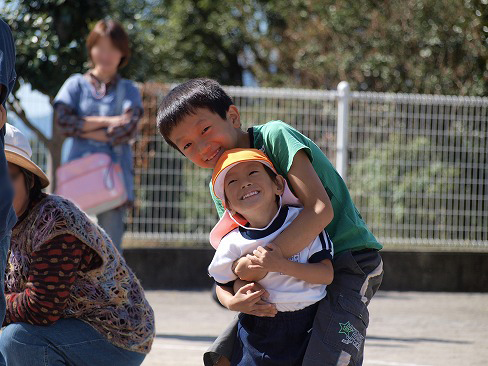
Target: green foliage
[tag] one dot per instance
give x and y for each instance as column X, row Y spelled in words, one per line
column 197, row 211
column 419, row 46
column 134, row 15
column 50, row 37
column 409, row 190
column 199, row 39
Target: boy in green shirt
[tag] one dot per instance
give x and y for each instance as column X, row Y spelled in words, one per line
column 200, row 120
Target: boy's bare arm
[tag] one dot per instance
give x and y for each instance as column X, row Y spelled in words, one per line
column 315, row 273
column 271, row 258
column 317, row 210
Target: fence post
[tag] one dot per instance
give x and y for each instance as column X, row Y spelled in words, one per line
column 343, row 93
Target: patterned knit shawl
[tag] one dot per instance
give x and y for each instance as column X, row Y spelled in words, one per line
column 109, row 298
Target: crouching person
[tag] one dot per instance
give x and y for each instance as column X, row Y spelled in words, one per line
column 71, row 298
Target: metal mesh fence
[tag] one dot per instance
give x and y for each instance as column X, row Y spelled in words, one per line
column 173, row 202
column 418, row 168
column 417, row 165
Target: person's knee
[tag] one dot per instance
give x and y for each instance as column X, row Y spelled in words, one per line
column 19, row 333
column 23, row 344
column 13, row 338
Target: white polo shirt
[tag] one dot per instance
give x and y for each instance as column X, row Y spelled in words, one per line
column 288, row 293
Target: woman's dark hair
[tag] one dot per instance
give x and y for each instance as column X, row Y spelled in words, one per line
column 32, row 184
column 116, row 33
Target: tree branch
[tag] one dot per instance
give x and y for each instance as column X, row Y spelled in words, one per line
column 16, row 107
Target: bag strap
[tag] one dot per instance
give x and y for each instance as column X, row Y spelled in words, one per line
column 119, row 97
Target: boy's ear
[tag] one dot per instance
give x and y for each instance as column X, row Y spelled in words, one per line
column 233, row 116
column 280, row 185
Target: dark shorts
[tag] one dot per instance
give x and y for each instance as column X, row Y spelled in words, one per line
column 278, row 341
column 339, row 328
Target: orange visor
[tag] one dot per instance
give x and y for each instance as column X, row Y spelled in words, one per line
column 228, row 160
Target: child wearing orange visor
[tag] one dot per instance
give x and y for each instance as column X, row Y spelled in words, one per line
column 259, row 206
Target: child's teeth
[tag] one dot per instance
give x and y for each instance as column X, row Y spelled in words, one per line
column 214, row 155
column 250, row 194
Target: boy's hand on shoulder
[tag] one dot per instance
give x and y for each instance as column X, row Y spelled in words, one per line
column 269, row 259
column 248, row 300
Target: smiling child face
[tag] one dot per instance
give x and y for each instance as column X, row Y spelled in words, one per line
column 251, row 192
column 204, row 136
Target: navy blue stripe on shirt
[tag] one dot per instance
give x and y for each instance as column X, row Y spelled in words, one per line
column 326, row 252
column 253, row 234
column 228, row 284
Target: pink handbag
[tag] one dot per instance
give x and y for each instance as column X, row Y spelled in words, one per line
column 95, row 183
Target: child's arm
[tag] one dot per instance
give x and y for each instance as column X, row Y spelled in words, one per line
column 247, row 299
column 317, row 273
column 317, row 210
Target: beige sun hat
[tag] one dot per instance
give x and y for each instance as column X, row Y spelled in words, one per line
column 19, row 152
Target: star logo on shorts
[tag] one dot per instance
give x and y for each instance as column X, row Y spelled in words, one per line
column 346, row 328
column 352, row 335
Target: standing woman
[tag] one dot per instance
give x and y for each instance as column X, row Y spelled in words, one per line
column 100, row 110
column 71, row 298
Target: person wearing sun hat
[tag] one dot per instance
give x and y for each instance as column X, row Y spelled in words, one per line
column 19, row 152
column 259, row 206
column 7, row 213
column 65, row 276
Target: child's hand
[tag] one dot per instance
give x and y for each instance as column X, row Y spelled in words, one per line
column 241, row 269
column 3, row 116
column 248, row 300
column 269, row 259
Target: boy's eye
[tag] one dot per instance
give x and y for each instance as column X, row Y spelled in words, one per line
column 231, row 181
column 205, row 129
column 186, row 146
column 254, row 171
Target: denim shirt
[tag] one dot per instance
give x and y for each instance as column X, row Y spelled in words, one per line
column 7, row 79
column 78, row 94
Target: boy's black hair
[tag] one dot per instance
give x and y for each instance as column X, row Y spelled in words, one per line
column 184, row 99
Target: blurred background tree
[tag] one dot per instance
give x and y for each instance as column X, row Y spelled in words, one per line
column 200, row 39
column 50, row 43
column 415, row 46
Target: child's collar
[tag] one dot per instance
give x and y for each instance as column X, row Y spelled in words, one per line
column 274, row 225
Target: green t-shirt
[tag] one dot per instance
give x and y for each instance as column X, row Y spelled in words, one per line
column 280, row 142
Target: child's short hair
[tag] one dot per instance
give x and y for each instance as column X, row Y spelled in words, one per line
column 184, row 99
